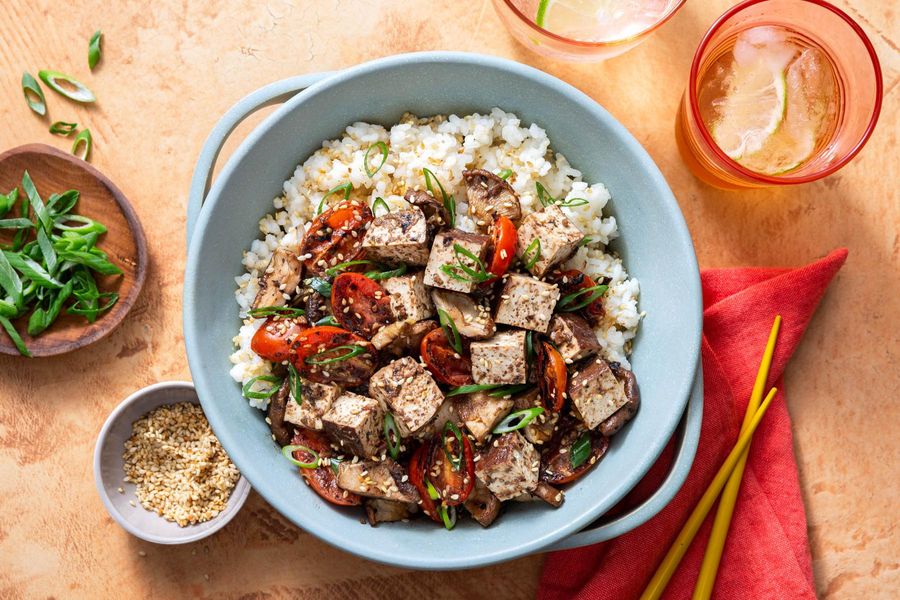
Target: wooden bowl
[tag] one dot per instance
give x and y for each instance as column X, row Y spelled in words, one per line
column 54, row 171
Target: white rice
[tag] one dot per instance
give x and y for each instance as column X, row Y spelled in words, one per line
column 447, row 145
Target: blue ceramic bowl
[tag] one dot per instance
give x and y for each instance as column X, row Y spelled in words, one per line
column 654, row 244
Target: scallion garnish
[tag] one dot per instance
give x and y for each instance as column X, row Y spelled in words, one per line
column 296, row 385
column 382, row 275
column 327, row 320
column 585, row 241
column 509, row 390
column 449, row 201
column 574, row 301
column 34, row 95
column 63, row 84
column 504, row 174
column 83, row 138
column 15, row 224
column 14, row 336
column 532, row 253
column 351, row 351
column 581, row 450
column 264, row 394
column 94, row 49
column 63, row 128
column 463, row 272
column 450, row 330
column 281, row 311
column 331, row 272
column 320, row 285
column 457, row 460
column 448, row 516
column 379, row 201
column 572, row 202
column 288, row 452
column 344, row 187
column 392, row 435
column 432, row 491
column 471, row 389
column 383, row 149
column 517, row 420
column 543, row 195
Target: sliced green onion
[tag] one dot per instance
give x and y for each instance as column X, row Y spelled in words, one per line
column 62, row 204
column 37, row 205
column 543, row 195
column 392, row 435
column 568, row 303
column 352, row 350
column 585, row 241
column 432, row 491
column 448, row 516
column 88, row 225
column 581, row 450
column 14, row 336
column 16, row 224
column 32, row 270
column 344, row 187
column 572, row 202
column 346, row 265
column 450, row 330
column 288, row 452
column 10, row 281
column 382, row 147
column 34, row 95
column 456, row 461
column 509, row 390
column 89, row 259
column 327, row 320
column 533, row 248
column 94, row 49
column 42, row 318
column 529, row 347
column 382, row 275
column 449, row 201
column 265, row 394
column 471, row 389
column 470, row 275
column 320, row 285
column 504, row 174
column 295, row 383
column 83, row 138
column 379, row 201
column 335, row 464
column 517, row 420
column 8, row 201
column 81, row 93
column 281, row 311
column 63, row 128
column 92, row 313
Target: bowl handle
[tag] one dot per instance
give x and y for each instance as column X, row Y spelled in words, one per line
column 688, row 434
column 274, row 93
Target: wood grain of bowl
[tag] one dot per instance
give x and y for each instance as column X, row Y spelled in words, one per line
column 54, row 171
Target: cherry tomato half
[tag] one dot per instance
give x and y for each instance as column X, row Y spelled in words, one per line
column 553, row 376
column 452, row 465
column 360, row 304
column 323, row 479
column 572, row 442
column 444, row 362
column 335, row 236
column 572, row 281
column 276, row 339
column 418, row 467
column 327, row 354
column 505, row 239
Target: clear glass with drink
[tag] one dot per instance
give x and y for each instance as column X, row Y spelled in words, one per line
column 780, row 92
column 584, row 30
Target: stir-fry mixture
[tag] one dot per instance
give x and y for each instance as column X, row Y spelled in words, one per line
column 425, row 369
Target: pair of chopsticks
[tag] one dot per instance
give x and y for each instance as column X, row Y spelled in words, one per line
column 728, row 478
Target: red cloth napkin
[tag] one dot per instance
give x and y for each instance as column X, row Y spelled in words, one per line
column 767, row 552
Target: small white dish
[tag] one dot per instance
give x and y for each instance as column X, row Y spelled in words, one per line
column 109, row 471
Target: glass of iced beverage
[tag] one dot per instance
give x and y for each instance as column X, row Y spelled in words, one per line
column 780, row 92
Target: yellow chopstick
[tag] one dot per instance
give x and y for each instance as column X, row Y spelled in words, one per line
column 667, row 568
column 710, row 567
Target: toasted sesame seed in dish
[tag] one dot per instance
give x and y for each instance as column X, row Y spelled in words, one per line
column 438, row 325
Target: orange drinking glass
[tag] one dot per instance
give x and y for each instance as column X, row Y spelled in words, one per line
column 519, row 16
column 858, row 84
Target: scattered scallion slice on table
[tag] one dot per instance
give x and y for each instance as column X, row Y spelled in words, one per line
column 67, row 86
column 34, row 95
column 83, row 142
column 94, row 49
column 63, row 128
column 383, row 150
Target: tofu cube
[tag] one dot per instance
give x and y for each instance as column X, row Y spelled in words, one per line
column 354, row 423
column 398, row 237
column 527, row 303
column 442, row 253
column 558, row 236
column 383, row 479
column 596, row 393
column 500, row 359
column 315, row 400
column 481, row 412
column 409, row 391
column 410, row 300
column 509, row 466
column 573, row 336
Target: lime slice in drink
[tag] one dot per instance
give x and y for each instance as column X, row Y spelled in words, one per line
column 752, row 109
column 599, row 20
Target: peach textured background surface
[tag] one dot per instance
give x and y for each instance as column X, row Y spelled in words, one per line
column 171, row 68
